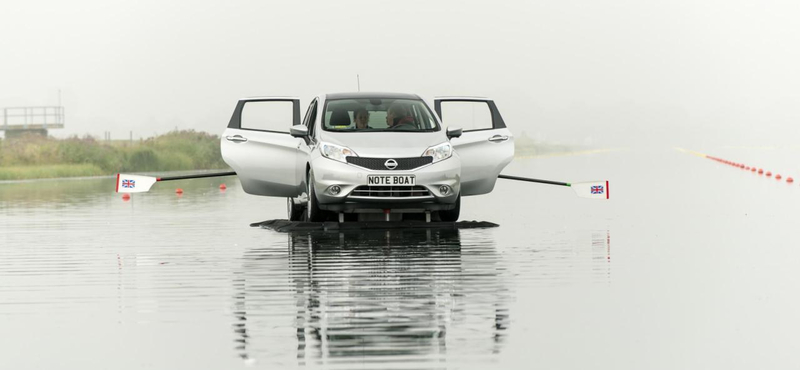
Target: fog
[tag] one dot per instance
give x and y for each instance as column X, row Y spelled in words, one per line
column 623, row 73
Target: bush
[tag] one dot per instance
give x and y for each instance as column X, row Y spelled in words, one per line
column 143, row 159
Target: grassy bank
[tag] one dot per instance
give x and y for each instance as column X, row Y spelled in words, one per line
column 34, row 157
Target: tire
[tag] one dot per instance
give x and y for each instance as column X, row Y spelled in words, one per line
column 451, row 215
column 294, row 212
column 313, row 213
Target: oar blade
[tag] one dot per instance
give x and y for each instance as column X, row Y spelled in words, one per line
column 591, row 189
column 134, row 183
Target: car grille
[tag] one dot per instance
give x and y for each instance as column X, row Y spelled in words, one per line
column 402, row 163
column 390, row 191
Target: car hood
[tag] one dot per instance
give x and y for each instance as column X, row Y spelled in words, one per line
column 385, row 144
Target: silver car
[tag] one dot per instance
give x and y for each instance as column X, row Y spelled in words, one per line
column 374, row 155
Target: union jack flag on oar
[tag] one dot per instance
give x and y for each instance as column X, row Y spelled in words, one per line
column 139, row 184
column 134, row 183
column 592, row 189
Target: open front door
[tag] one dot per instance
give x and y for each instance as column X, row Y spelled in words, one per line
column 258, row 146
column 485, row 147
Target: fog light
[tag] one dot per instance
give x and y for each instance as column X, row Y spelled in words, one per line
column 335, row 189
column 444, row 189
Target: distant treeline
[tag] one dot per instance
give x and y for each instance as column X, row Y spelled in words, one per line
column 31, row 157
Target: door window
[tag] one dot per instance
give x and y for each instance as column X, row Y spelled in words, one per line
column 274, row 116
column 311, row 115
column 468, row 115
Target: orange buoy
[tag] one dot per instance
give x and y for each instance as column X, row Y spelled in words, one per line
column 753, row 169
column 126, row 197
column 222, row 187
column 789, row 180
column 178, row 191
column 769, row 174
column 760, row 171
column 777, row 176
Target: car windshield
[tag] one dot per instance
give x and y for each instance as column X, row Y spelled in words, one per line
column 371, row 115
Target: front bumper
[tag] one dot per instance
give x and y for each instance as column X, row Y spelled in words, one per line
column 348, row 177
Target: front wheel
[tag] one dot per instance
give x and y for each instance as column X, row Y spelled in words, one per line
column 452, row 215
column 313, row 214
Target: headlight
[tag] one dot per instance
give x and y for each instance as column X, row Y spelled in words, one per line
column 439, row 152
column 336, row 152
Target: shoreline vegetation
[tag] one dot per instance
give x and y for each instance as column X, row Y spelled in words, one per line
column 36, row 157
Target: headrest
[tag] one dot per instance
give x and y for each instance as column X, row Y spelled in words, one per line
column 340, row 117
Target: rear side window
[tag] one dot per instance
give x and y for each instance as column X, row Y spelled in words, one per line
column 468, row 115
column 275, row 116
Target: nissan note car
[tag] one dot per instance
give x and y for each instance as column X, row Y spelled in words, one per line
column 375, row 155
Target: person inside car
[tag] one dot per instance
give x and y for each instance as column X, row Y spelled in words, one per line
column 361, row 117
column 399, row 117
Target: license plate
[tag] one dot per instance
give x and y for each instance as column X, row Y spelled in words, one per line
column 391, row 180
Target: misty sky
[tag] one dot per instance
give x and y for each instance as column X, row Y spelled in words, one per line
column 580, row 72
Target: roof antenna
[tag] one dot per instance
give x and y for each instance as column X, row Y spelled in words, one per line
column 358, row 80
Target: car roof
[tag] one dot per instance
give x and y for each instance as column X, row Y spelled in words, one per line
column 371, row 95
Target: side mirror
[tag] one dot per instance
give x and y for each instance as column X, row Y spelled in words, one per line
column 299, row 131
column 454, row 132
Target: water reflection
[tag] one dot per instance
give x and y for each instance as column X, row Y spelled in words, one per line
column 386, row 296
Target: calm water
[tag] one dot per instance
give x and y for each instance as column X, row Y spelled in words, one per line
column 692, row 264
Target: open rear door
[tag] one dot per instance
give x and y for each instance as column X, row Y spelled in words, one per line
column 258, row 146
column 485, row 147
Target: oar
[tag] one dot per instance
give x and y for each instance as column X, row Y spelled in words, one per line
column 140, row 184
column 591, row 189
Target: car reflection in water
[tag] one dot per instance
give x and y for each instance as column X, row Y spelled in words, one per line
column 380, row 296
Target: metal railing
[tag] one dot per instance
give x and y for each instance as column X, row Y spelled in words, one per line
column 26, row 118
